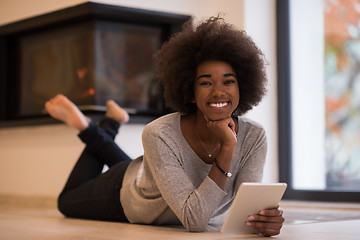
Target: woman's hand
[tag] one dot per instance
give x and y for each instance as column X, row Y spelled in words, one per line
column 224, row 129
column 267, row 222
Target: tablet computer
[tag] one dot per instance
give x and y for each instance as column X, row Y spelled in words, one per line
column 250, row 199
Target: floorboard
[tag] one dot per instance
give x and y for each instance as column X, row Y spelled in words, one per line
column 33, row 222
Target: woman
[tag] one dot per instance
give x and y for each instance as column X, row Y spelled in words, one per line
column 194, row 159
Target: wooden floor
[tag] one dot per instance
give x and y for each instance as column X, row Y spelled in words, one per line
column 304, row 221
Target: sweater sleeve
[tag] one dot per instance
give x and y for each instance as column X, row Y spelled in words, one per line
column 253, row 154
column 193, row 205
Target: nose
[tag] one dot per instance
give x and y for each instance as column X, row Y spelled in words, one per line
column 217, row 90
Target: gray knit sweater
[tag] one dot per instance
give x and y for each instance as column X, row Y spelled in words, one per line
column 170, row 183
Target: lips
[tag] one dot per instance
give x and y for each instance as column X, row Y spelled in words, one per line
column 219, row 104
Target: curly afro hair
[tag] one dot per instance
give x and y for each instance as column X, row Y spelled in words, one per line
column 212, row 39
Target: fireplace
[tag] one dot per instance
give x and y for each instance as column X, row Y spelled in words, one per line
column 91, row 53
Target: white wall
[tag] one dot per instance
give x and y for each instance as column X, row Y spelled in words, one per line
column 260, row 24
column 15, row 10
column 38, row 159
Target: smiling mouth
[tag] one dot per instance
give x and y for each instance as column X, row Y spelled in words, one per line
column 219, row 105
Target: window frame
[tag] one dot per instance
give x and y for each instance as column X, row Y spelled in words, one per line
column 285, row 116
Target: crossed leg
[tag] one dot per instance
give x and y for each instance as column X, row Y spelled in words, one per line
column 89, row 193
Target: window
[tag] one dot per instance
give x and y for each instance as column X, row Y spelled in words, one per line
column 319, row 98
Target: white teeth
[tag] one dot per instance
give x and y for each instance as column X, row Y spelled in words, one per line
column 219, row 105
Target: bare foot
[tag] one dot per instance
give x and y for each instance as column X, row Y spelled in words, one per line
column 61, row 108
column 115, row 112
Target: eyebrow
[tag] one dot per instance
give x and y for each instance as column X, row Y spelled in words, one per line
column 209, row 75
column 229, row 75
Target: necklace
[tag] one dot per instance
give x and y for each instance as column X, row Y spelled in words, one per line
column 209, row 153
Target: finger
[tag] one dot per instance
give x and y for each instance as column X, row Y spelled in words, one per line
column 264, row 225
column 266, row 229
column 269, row 232
column 271, row 212
column 266, row 219
column 206, row 118
column 234, row 134
column 231, row 125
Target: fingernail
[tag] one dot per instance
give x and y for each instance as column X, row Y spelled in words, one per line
column 251, row 218
column 262, row 213
column 248, row 224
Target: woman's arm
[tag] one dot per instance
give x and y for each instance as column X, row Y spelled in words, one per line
column 225, row 132
column 193, row 204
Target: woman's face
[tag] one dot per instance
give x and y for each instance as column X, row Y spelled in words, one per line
column 216, row 89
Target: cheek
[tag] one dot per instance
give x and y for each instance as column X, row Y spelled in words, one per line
column 199, row 95
column 199, row 100
column 236, row 93
column 237, row 98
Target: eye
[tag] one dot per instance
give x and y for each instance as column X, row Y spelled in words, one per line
column 205, row 83
column 230, row 82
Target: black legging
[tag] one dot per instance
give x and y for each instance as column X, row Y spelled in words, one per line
column 89, row 193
